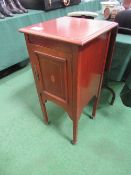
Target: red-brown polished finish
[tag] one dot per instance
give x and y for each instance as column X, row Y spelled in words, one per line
column 68, row 57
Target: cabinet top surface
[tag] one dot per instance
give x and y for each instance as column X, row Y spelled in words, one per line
column 69, row 29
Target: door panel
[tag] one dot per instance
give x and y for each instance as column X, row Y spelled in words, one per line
column 54, row 74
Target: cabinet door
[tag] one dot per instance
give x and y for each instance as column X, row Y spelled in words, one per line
column 55, row 77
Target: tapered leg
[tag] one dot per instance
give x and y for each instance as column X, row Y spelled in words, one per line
column 45, row 113
column 97, row 98
column 43, row 107
column 75, row 131
column 95, row 107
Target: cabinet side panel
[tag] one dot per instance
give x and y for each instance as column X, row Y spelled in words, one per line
column 91, row 65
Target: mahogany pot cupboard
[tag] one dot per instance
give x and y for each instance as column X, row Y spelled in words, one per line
column 68, row 57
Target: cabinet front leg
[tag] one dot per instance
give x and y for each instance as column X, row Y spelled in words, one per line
column 75, row 131
column 43, row 108
column 94, row 107
column 45, row 114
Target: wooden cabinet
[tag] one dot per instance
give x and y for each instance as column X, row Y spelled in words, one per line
column 68, row 57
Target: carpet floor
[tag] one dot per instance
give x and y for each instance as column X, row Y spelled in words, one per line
column 29, row 147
